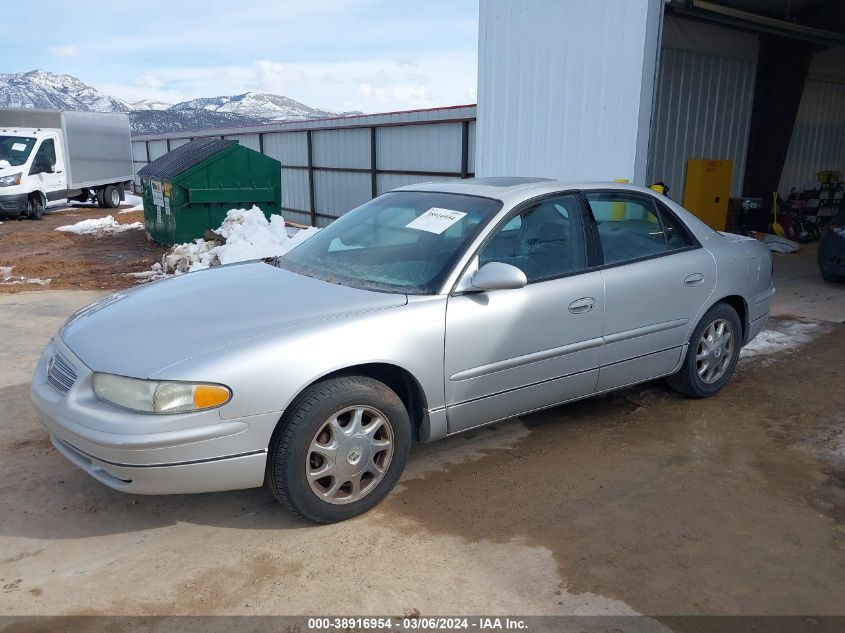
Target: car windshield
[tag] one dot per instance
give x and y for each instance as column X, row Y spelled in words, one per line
column 15, row 150
column 403, row 241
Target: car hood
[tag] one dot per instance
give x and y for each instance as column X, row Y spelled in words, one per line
column 144, row 330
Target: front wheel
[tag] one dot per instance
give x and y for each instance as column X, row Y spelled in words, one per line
column 712, row 354
column 340, row 449
column 35, row 208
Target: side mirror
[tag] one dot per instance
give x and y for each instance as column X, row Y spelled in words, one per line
column 496, row 276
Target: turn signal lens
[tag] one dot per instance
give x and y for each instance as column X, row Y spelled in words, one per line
column 206, row 396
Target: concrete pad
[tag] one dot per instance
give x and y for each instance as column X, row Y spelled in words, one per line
column 27, row 321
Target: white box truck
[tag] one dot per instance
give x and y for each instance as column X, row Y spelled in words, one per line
column 51, row 155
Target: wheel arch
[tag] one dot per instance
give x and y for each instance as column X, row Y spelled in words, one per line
column 397, row 378
column 738, row 303
column 40, row 195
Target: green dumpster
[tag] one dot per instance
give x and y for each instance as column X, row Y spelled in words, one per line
column 191, row 188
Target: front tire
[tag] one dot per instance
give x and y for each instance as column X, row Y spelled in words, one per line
column 712, row 354
column 339, row 449
column 35, row 208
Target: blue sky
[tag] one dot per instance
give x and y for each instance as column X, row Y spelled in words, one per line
column 370, row 55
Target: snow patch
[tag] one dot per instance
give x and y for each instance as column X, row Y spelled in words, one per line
column 137, row 203
column 99, row 226
column 6, row 278
column 246, row 235
column 781, row 337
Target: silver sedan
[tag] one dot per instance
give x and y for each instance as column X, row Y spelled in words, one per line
column 428, row 311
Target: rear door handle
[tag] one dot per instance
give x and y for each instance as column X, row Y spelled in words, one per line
column 579, row 306
column 694, row 279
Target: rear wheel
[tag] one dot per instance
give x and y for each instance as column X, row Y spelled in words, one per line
column 111, row 197
column 35, row 208
column 100, row 199
column 340, row 450
column 712, row 354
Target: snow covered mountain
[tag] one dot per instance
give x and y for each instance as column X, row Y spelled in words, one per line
column 40, row 89
column 50, row 91
column 259, row 105
column 150, row 104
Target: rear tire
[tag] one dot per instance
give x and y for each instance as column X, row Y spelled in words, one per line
column 35, row 208
column 111, row 197
column 354, row 429
column 101, row 202
column 712, row 354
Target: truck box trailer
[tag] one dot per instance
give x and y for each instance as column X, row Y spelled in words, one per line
column 52, row 155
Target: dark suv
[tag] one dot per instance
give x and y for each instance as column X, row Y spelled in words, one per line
column 832, row 250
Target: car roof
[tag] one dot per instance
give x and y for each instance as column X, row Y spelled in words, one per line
column 514, row 189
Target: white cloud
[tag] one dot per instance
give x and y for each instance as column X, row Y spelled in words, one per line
column 66, row 50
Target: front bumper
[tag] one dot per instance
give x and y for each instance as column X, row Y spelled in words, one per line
column 14, row 204
column 149, row 454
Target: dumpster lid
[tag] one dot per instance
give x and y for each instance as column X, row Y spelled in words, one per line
column 184, row 157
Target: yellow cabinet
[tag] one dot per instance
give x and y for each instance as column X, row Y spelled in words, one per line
column 707, row 190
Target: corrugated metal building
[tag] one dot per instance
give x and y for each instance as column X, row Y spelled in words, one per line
column 702, row 108
column 330, row 166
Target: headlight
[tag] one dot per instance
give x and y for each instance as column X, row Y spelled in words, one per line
column 158, row 396
column 10, row 181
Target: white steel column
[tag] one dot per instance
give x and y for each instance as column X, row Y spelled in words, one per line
column 565, row 87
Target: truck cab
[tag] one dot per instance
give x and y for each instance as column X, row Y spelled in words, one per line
column 32, row 171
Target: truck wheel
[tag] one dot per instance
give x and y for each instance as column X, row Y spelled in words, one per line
column 833, row 279
column 339, row 450
column 111, row 197
column 712, row 354
column 100, row 200
column 35, row 208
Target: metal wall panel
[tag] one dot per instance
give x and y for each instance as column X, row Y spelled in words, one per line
column 420, row 147
column 288, row 148
column 247, row 140
column 703, row 110
column 818, row 138
column 565, row 87
column 337, row 192
column 295, row 189
column 138, row 165
column 178, row 142
column 158, row 149
column 297, row 217
column 139, row 151
column 342, row 148
column 471, row 149
column 388, row 182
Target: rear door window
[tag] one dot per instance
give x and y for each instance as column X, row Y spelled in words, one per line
column 631, row 227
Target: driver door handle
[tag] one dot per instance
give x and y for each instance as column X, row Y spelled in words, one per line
column 579, row 306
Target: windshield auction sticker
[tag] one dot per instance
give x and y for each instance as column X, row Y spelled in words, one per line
column 436, row 220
